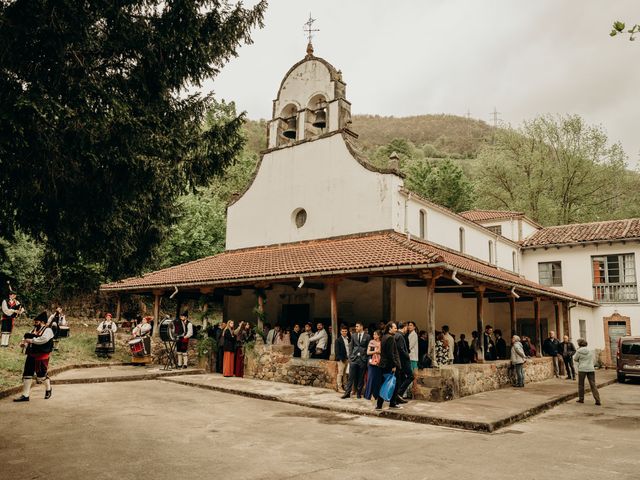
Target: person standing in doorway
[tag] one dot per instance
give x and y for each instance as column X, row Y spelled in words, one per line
column 303, row 341
column 551, row 348
column 489, row 344
column 357, row 360
column 343, row 348
column 585, row 360
column 567, row 350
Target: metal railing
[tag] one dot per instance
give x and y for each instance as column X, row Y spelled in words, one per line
column 616, row 293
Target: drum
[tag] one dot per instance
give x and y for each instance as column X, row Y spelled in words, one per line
column 63, row 332
column 104, row 337
column 167, row 330
column 137, row 347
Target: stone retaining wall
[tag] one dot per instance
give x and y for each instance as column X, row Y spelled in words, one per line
column 455, row 381
column 277, row 364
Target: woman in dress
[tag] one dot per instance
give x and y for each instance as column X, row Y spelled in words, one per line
column 241, row 334
column 229, row 347
column 374, row 373
column 442, row 350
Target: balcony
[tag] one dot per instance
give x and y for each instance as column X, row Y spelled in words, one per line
column 616, row 293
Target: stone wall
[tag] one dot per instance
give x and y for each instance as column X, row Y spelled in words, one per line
column 455, row 381
column 277, row 364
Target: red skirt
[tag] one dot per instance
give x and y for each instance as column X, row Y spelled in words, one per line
column 228, row 364
column 239, row 368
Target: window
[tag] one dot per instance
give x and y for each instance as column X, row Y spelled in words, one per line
column 497, row 229
column 299, row 217
column 461, row 239
column 491, row 252
column 550, row 273
column 514, row 261
column 423, row 224
column 614, row 278
column 583, row 328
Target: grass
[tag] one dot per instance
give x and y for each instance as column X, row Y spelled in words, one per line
column 76, row 349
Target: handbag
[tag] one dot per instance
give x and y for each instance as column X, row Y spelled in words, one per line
column 388, row 386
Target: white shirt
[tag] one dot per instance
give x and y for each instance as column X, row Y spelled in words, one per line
column 106, row 324
column 320, row 337
column 9, row 311
column 271, row 336
column 303, row 344
column 413, row 346
column 347, row 345
column 141, row 330
column 44, row 338
column 450, row 341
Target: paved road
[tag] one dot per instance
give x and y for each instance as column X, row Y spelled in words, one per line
column 159, row 430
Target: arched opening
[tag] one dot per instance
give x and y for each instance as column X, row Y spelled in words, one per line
column 317, row 116
column 423, row 224
column 461, row 239
column 288, row 125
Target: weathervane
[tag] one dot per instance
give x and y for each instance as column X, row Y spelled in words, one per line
column 309, row 30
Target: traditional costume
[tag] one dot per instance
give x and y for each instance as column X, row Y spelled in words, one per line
column 55, row 322
column 11, row 308
column 39, row 343
column 184, row 331
column 141, row 343
column 106, row 344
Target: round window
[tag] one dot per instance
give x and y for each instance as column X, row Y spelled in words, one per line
column 300, row 217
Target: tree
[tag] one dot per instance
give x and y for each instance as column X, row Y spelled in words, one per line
column 97, row 135
column 619, row 28
column 442, row 182
column 558, row 170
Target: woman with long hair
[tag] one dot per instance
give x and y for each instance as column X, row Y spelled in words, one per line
column 374, row 373
column 229, row 347
column 241, row 334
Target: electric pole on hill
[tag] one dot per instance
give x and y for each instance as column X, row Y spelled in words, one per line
column 495, row 117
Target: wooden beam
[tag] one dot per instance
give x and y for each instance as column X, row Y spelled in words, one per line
column 536, row 315
column 480, row 322
column 512, row 313
column 360, row 279
column 231, row 292
column 156, row 315
column 507, row 299
column 416, row 283
column 333, row 285
column 431, row 319
column 556, row 310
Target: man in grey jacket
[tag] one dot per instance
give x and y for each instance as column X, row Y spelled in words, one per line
column 518, row 358
column 584, row 359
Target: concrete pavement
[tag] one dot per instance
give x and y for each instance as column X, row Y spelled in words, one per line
column 484, row 412
column 164, row 431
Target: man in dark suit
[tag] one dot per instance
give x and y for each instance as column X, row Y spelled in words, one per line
column 489, row 344
column 342, row 356
column 404, row 376
column 357, row 361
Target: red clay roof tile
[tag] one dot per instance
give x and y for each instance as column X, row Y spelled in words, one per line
column 585, row 232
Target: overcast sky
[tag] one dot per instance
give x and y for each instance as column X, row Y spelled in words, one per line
column 411, row 57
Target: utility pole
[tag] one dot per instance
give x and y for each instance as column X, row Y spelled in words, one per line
column 495, row 116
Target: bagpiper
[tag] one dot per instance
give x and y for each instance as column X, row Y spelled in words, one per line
column 11, row 308
column 184, row 331
column 39, row 344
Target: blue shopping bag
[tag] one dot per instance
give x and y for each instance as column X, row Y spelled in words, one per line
column 388, row 386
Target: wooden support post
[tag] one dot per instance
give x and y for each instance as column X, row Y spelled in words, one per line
column 513, row 313
column 566, row 321
column 333, row 285
column 118, row 309
column 556, row 309
column 431, row 318
column 260, row 310
column 480, row 322
column 156, row 313
column 536, row 314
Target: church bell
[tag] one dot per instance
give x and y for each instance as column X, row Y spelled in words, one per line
column 321, row 119
column 290, row 131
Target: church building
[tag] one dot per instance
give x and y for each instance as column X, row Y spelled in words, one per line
column 320, row 234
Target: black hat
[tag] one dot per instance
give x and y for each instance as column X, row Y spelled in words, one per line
column 42, row 317
column 185, row 314
column 11, row 290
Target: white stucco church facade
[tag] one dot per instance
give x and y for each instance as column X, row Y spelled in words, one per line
column 320, row 234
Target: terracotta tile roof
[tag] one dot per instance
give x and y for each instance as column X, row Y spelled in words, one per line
column 365, row 253
column 480, row 215
column 585, row 232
